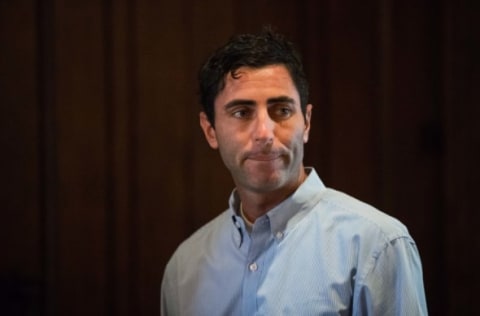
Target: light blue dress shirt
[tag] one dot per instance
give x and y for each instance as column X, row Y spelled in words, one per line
column 320, row 252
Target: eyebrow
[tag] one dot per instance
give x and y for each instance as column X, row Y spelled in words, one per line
column 246, row 102
column 281, row 99
column 237, row 102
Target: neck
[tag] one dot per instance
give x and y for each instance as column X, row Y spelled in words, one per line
column 256, row 204
column 248, row 222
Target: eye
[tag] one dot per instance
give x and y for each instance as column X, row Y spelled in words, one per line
column 241, row 113
column 281, row 111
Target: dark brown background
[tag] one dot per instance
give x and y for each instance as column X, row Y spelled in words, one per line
column 104, row 169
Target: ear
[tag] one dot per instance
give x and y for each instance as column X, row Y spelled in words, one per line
column 308, row 116
column 208, row 130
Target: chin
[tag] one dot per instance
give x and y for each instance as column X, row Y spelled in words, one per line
column 267, row 184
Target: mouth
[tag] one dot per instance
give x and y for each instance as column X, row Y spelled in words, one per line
column 264, row 157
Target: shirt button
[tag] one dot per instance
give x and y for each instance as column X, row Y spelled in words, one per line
column 253, row 267
column 279, row 235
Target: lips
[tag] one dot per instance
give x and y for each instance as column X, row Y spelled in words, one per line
column 263, row 157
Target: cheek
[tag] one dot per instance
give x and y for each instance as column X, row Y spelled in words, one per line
column 229, row 158
column 292, row 138
column 297, row 145
column 228, row 150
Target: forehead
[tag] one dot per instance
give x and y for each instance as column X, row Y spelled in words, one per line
column 257, row 83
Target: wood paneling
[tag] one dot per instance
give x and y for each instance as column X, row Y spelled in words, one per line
column 120, row 81
column 461, row 99
column 105, row 169
column 81, row 153
column 163, row 65
column 19, row 136
column 20, row 210
column 353, row 101
column 416, row 139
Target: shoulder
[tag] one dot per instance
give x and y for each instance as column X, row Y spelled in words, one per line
column 347, row 213
column 380, row 248
column 372, row 237
column 216, row 229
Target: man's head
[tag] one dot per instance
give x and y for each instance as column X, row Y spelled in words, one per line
column 255, row 114
column 252, row 51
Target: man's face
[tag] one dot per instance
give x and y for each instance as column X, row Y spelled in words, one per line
column 260, row 129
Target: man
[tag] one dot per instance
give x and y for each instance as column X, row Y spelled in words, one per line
column 287, row 245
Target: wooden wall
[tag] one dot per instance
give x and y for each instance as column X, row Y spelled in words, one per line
column 104, row 169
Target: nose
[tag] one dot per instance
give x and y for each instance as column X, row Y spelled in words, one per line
column 263, row 129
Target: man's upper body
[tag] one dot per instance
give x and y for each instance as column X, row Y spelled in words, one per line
column 310, row 250
column 319, row 252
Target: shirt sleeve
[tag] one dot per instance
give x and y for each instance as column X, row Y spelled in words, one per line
column 168, row 292
column 392, row 283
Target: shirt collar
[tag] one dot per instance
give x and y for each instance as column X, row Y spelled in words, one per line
column 285, row 215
